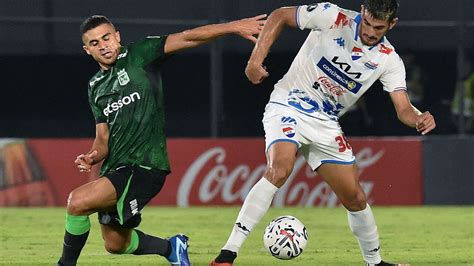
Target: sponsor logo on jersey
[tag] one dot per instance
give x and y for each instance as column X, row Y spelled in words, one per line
column 94, row 81
column 340, row 41
column 384, row 49
column 115, row 106
column 356, row 53
column 122, row 77
column 122, row 55
column 346, row 67
column 326, row 6
column 371, row 65
column 338, row 76
column 331, row 87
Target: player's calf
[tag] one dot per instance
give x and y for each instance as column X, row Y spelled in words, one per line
column 115, row 248
column 77, row 231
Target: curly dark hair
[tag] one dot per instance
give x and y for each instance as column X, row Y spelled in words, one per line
column 382, row 9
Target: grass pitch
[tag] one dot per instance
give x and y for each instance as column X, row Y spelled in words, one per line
column 417, row 235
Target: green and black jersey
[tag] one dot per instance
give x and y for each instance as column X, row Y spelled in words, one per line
column 129, row 98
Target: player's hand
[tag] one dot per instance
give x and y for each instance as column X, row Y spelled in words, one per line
column 249, row 27
column 425, row 123
column 84, row 161
column 256, row 73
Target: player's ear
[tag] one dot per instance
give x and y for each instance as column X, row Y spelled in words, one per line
column 362, row 9
column 86, row 49
column 393, row 23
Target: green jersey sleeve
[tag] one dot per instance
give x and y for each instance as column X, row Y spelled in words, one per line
column 98, row 114
column 148, row 50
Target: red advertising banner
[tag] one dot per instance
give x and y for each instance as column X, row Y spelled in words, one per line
column 212, row 172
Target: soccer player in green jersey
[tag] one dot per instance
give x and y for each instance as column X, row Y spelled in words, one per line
column 127, row 102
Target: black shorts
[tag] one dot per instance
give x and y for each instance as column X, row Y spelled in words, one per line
column 135, row 186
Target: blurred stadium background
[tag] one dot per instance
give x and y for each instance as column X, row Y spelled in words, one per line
column 45, row 72
column 214, row 114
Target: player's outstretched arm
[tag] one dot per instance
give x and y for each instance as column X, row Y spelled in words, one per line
column 247, row 28
column 409, row 115
column 278, row 19
column 98, row 151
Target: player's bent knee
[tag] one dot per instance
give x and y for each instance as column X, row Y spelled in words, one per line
column 75, row 205
column 277, row 175
column 355, row 202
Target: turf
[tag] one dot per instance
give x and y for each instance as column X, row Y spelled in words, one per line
column 418, row 235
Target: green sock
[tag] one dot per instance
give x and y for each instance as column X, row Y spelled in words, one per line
column 147, row 244
column 77, row 225
column 75, row 237
column 133, row 243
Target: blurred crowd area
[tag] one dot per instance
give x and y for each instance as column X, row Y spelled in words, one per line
column 44, row 71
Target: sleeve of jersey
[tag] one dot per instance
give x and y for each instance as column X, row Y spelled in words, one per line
column 148, row 50
column 320, row 16
column 394, row 77
column 98, row 115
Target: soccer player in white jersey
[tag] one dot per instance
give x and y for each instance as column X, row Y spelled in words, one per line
column 343, row 55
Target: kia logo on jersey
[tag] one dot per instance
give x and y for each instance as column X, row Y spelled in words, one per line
column 357, row 53
column 338, row 76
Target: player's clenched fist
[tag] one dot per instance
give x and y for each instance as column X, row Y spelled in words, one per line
column 85, row 161
column 256, row 73
column 425, row 123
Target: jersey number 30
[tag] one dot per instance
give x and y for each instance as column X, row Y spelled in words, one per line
column 343, row 143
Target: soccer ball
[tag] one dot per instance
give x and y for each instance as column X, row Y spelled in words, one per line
column 285, row 237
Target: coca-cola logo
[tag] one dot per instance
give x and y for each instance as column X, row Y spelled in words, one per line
column 227, row 186
column 333, row 89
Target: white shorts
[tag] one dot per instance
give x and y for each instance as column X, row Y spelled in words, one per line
column 319, row 141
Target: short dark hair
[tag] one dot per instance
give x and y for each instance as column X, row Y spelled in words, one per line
column 94, row 21
column 382, row 9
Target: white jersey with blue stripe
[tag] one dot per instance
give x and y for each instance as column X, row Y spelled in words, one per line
column 334, row 68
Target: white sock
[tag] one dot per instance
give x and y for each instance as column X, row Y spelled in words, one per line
column 255, row 206
column 362, row 224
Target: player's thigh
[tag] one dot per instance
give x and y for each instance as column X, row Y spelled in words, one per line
column 282, row 140
column 281, row 124
column 116, row 238
column 282, row 153
column 93, row 196
column 281, row 157
column 344, row 181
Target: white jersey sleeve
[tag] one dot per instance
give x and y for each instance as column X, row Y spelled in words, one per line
column 320, row 16
column 394, row 77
